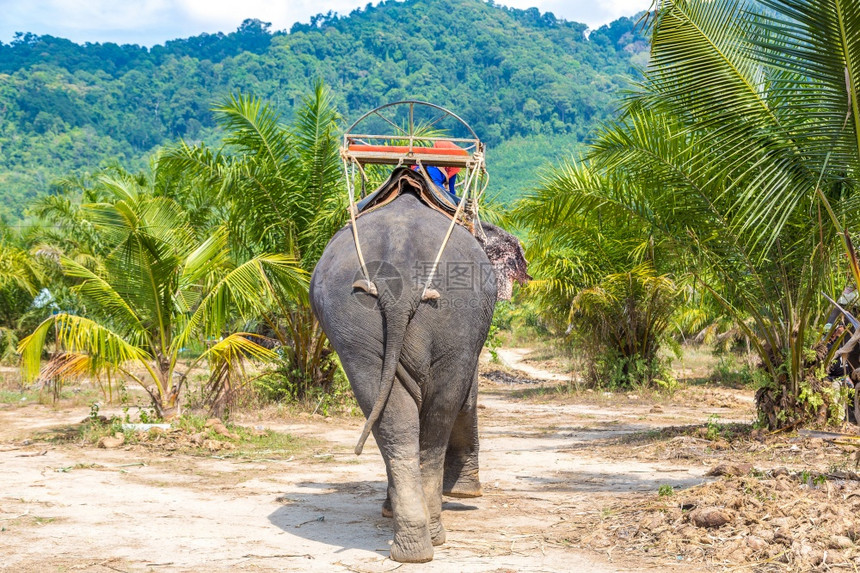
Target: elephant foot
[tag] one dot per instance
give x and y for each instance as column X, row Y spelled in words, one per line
column 437, row 533
column 387, row 511
column 416, row 547
column 463, row 486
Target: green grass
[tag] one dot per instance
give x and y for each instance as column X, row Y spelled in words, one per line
column 20, row 397
column 545, row 391
column 251, row 444
column 713, row 431
column 69, row 396
column 28, row 521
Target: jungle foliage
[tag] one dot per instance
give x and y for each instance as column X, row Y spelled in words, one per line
column 603, row 282
column 69, row 108
column 155, row 285
column 201, row 262
column 280, row 189
column 739, row 155
column 717, row 204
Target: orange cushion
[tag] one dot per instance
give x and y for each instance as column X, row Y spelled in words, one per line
column 403, row 149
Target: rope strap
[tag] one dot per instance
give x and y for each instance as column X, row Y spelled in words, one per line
column 370, row 288
column 424, row 294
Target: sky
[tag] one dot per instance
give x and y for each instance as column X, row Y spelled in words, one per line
column 150, row 22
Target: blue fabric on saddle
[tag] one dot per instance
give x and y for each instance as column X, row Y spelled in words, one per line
column 404, row 179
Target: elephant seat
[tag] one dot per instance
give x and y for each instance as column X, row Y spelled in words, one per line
column 404, row 179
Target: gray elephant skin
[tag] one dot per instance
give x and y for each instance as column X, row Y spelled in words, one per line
column 412, row 360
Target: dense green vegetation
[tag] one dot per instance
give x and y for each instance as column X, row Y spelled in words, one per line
column 602, row 282
column 206, row 251
column 279, row 189
column 737, row 159
column 718, row 199
column 513, row 74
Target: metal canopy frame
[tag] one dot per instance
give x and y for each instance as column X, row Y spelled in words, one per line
column 406, row 144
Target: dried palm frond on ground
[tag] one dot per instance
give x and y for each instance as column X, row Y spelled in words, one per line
column 774, row 521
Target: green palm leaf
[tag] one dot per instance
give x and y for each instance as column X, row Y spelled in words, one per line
column 19, row 270
column 241, row 288
column 77, row 335
column 112, row 306
column 236, row 347
column 254, row 129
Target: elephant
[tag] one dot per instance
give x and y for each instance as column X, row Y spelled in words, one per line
column 845, row 370
column 411, row 353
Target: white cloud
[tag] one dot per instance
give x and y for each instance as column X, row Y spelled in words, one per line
column 595, row 13
column 98, row 14
column 140, row 21
column 282, row 15
column 151, row 22
column 223, row 13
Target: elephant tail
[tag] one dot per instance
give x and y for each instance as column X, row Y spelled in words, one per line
column 396, row 319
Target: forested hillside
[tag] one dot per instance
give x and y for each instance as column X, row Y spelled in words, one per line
column 513, row 74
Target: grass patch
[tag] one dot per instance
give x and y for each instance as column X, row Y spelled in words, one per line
column 28, row 521
column 712, row 431
column 70, row 396
column 19, row 397
column 737, row 372
column 545, row 391
column 345, row 407
column 191, row 435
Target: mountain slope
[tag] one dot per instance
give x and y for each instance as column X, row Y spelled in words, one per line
column 68, row 108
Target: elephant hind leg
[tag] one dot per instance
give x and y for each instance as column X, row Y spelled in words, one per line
column 387, row 511
column 436, row 425
column 412, row 537
column 461, row 472
column 432, row 461
column 461, row 478
column 397, row 437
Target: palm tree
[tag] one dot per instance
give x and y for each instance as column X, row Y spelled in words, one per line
column 157, row 289
column 597, row 278
column 281, row 190
column 21, row 278
column 740, row 151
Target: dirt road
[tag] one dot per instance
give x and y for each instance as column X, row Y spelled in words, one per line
column 70, row 507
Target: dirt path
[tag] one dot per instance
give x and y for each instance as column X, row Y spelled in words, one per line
column 516, row 358
column 67, row 507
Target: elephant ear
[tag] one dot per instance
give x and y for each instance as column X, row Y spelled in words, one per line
column 507, row 257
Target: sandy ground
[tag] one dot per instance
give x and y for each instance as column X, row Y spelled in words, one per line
column 73, row 508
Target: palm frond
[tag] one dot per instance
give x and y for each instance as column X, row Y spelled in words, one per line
column 111, row 305
column 703, row 70
column 67, row 365
column 315, row 131
column 249, row 290
column 211, row 254
column 19, row 270
column 239, row 346
column 77, row 335
column 253, row 128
